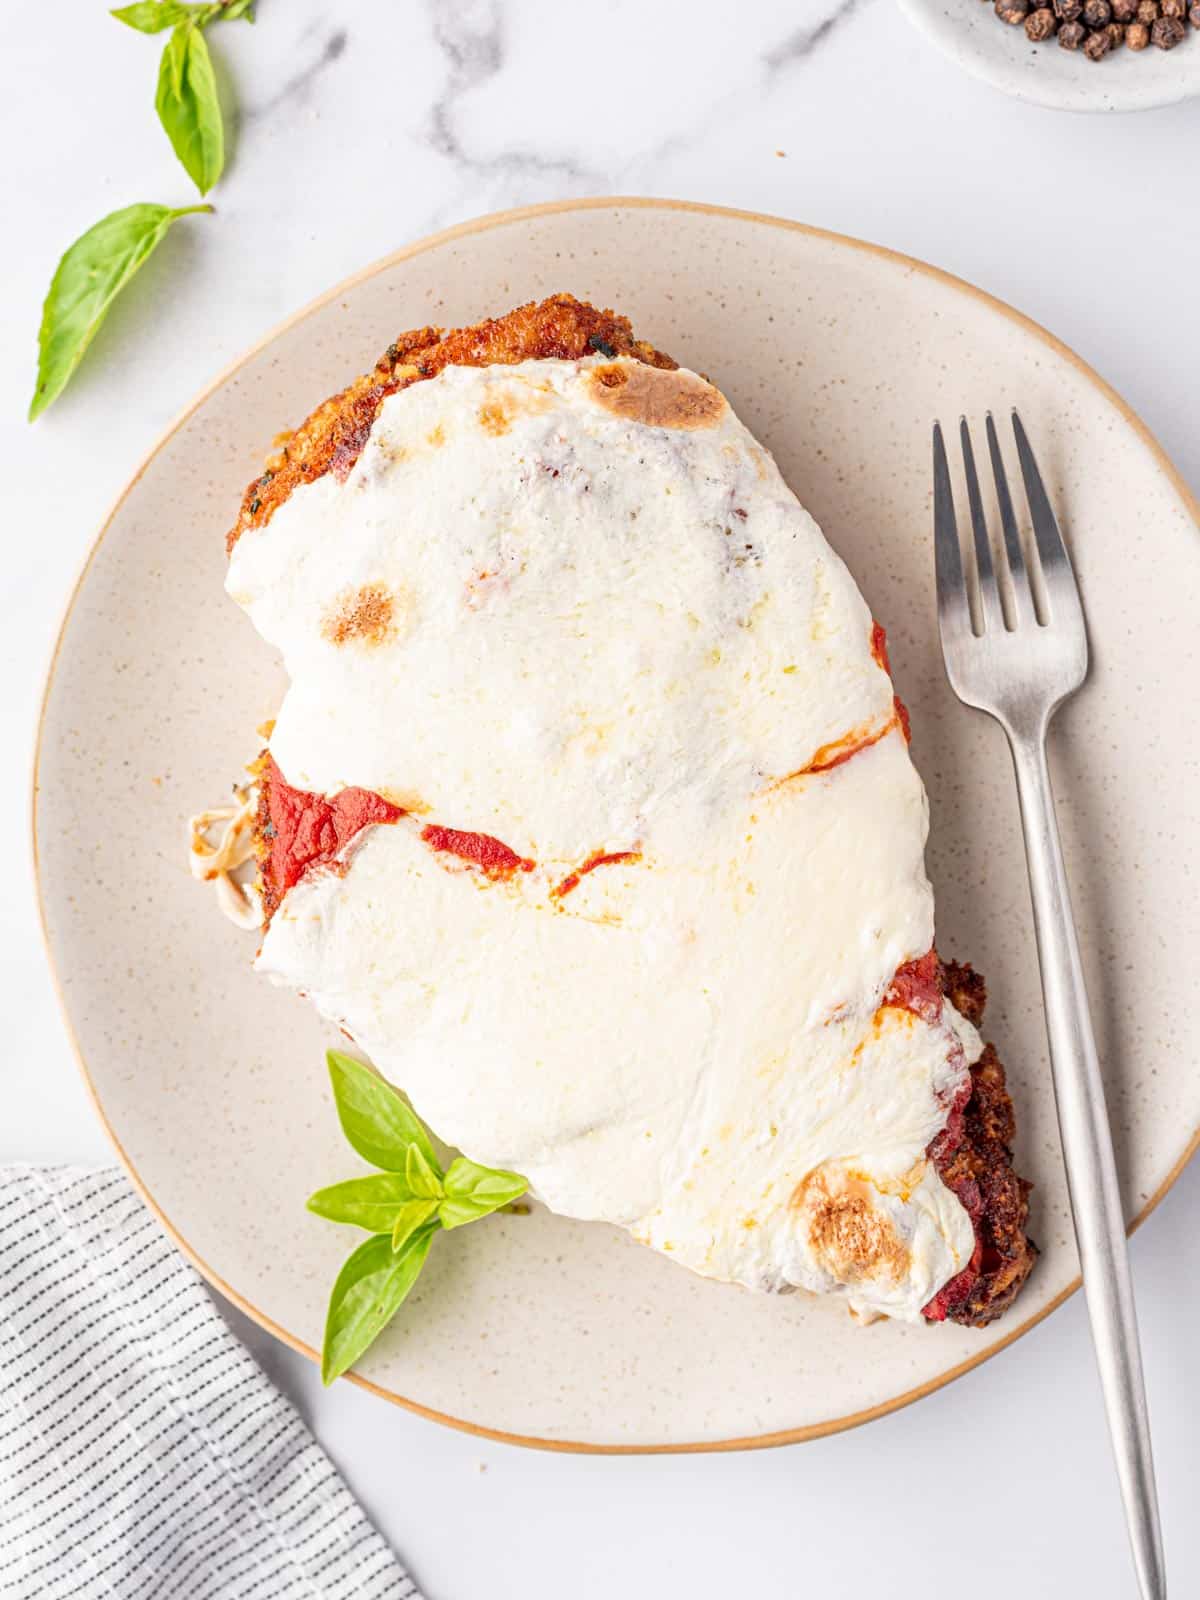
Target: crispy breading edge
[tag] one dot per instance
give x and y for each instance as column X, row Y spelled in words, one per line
column 331, row 438
column 985, row 1158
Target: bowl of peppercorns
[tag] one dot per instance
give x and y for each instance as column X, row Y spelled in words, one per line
column 1077, row 55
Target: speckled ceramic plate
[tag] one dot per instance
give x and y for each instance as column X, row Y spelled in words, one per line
column 971, row 34
column 211, row 1083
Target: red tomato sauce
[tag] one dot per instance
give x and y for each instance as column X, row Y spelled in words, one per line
column 879, row 647
column 838, row 751
column 917, row 987
column 833, row 755
column 306, row 830
column 598, row 859
column 493, row 856
column 962, row 1282
column 879, row 650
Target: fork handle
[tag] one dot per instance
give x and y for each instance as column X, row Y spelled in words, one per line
column 1088, row 1157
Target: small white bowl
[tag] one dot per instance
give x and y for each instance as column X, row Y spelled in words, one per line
column 970, row 33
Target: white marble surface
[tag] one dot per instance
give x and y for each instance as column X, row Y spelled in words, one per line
column 359, row 129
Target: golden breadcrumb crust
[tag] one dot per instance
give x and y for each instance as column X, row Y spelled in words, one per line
column 984, row 1158
column 332, row 437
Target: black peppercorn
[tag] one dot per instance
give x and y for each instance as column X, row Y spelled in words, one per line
column 1098, row 27
column 1167, row 32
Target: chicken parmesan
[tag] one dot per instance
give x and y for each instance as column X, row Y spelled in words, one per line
column 589, row 816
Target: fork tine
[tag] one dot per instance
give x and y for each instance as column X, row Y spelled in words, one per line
column 954, row 617
column 991, row 616
column 1022, row 599
column 1061, row 590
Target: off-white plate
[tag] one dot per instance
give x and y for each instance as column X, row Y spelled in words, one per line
column 838, row 355
column 970, row 32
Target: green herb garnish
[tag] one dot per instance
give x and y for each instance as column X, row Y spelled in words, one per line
column 187, row 101
column 101, row 262
column 402, row 1207
column 188, row 107
column 88, row 279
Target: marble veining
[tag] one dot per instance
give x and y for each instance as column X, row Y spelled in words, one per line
column 297, row 87
column 471, row 37
column 803, row 40
column 474, row 39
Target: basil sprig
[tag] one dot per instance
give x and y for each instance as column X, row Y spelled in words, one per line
column 101, row 262
column 152, row 16
column 187, row 101
column 87, row 280
column 402, row 1207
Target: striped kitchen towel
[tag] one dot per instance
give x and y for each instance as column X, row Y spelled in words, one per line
column 143, row 1453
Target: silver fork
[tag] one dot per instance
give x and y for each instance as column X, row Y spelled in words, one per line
column 1020, row 670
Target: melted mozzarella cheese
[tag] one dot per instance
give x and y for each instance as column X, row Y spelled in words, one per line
column 573, row 606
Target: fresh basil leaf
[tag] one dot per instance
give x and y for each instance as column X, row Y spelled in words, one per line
column 372, row 1203
column 86, row 281
column 174, row 57
column 188, row 105
column 376, row 1121
column 473, row 1191
column 153, row 16
column 150, row 16
column 369, row 1290
column 424, row 1178
column 409, row 1218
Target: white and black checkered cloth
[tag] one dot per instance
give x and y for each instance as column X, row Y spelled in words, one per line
column 143, row 1453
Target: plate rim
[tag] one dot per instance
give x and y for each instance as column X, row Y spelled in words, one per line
column 490, row 220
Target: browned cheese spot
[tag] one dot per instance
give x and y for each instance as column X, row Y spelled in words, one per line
column 496, row 416
column 407, row 800
column 850, row 1237
column 658, row 398
column 364, row 615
